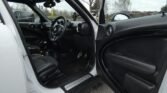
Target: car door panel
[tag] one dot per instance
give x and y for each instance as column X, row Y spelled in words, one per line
column 134, row 56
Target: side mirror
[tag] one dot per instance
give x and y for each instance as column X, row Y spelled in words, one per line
column 120, row 16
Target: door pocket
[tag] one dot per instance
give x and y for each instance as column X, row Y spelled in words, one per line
column 134, row 84
column 131, row 63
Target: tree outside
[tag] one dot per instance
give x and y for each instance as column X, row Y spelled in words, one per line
column 164, row 8
column 122, row 5
column 94, row 6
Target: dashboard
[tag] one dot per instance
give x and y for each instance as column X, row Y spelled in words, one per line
column 79, row 27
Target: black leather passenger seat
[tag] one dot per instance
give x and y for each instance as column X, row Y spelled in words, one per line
column 46, row 66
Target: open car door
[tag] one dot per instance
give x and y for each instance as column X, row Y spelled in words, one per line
column 132, row 54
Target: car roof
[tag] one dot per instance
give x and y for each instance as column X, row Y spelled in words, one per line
column 25, row 1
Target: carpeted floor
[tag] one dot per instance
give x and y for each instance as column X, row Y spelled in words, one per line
column 93, row 86
column 98, row 87
column 102, row 88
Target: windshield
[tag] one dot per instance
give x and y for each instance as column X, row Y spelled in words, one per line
column 60, row 9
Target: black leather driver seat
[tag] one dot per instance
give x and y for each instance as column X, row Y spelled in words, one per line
column 46, row 67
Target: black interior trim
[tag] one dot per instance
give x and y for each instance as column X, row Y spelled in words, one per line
column 1, row 18
column 102, row 14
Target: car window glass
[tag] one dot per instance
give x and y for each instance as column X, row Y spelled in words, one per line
column 133, row 8
column 60, row 9
column 24, row 13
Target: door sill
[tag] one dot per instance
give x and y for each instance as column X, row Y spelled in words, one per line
column 77, row 82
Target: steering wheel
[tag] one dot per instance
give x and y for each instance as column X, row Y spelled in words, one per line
column 57, row 29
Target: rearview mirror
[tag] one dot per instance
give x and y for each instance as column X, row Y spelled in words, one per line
column 49, row 3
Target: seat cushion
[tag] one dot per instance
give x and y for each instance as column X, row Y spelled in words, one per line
column 46, row 67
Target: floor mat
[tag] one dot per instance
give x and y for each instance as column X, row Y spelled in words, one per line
column 99, row 88
column 74, row 66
